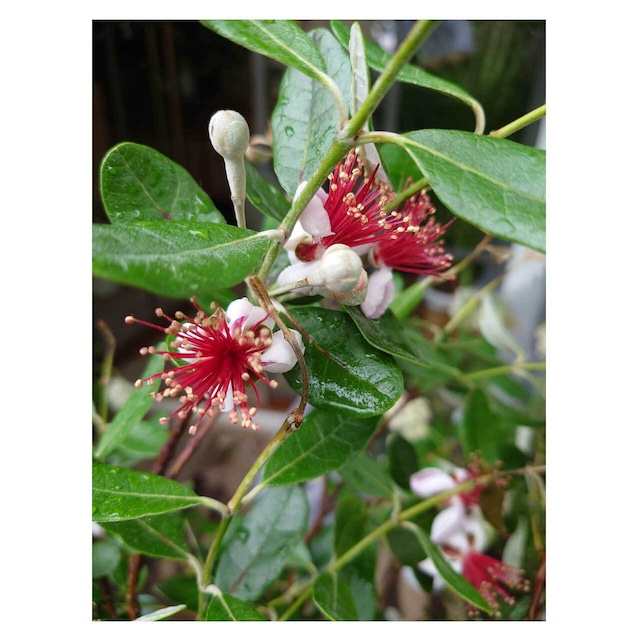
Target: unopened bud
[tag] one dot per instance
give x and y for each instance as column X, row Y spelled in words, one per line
column 356, row 296
column 229, row 134
column 340, row 270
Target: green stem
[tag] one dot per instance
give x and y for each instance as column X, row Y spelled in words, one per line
column 520, row 123
column 336, row 152
column 415, row 187
column 385, row 80
column 498, row 371
column 233, row 505
column 471, row 304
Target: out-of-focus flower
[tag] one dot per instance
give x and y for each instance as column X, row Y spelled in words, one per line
column 430, row 481
column 217, row 356
column 493, row 578
column 412, row 421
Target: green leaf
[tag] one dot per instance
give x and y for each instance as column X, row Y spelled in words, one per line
column 344, row 372
column 368, row 476
column 180, row 587
column 281, row 40
column 255, row 556
column 143, row 442
column 405, row 547
column 105, row 557
column 125, row 494
column 264, row 196
column 480, row 430
column 158, row 536
column 453, row 579
column 403, row 460
column 399, row 166
column 176, row 259
column 495, row 185
column 378, row 59
column 139, row 183
column 351, row 518
column 323, row 443
column 362, row 586
column 133, row 410
column 333, row 597
column 396, row 338
column 304, row 121
column 227, row 608
column 161, row 614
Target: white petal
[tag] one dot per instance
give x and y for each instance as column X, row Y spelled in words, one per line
column 296, row 272
column 315, row 219
column 474, row 526
column 244, row 314
column 430, row 481
column 379, row 294
column 280, row 357
column 448, row 521
column 298, row 234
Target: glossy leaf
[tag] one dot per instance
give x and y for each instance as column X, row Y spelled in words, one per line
column 132, row 412
column 281, row 40
column 304, row 121
column 324, row 442
column 139, row 183
column 378, row 59
column 125, row 494
column 495, row 185
column 390, row 335
column 264, row 196
column 176, row 259
column 159, row 536
column 333, row 597
column 344, row 372
column 368, row 476
column 256, row 555
column 224, row 607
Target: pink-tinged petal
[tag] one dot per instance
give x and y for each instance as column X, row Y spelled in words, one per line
column 298, row 234
column 296, row 272
column 315, row 219
column 379, row 294
column 246, row 315
column 280, row 356
column 474, row 527
column 448, row 522
column 430, row 481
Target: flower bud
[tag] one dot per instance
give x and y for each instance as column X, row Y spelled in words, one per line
column 229, row 134
column 340, row 270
